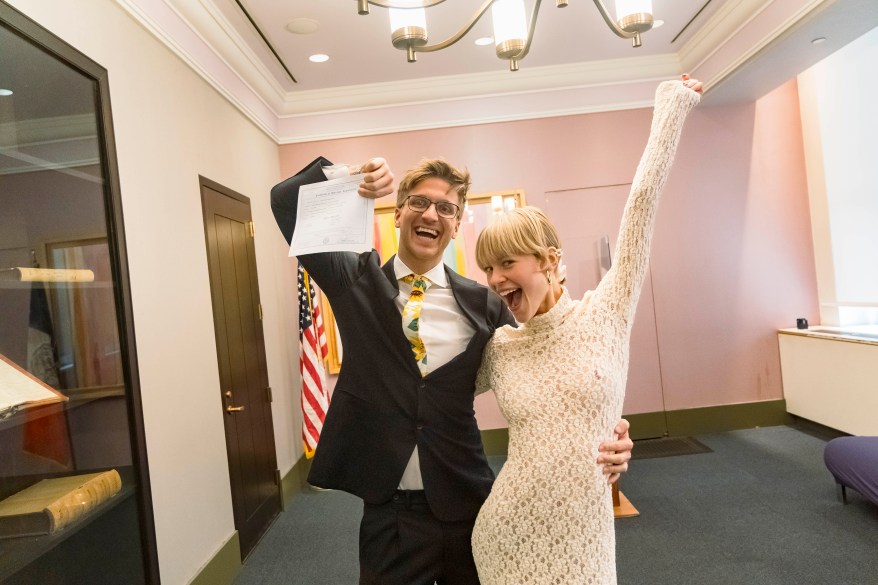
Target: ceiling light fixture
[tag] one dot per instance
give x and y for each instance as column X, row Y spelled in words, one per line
column 319, row 58
column 512, row 33
column 5, row 92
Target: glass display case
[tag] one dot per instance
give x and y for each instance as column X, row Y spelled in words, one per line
column 74, row 491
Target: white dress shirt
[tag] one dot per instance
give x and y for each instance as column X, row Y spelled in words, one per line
column 337, row 171
column 444, row 330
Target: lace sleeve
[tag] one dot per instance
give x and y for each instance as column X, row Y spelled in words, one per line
column 619, row 290
column 484, row 377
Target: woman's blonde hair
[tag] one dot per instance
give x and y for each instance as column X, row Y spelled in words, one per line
column 458, row 179
column 522, row 231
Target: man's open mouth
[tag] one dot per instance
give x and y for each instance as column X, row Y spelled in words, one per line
column 426, row 233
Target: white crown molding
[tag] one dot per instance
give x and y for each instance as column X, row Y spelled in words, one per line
column 224, row 37
column 478, row 85
column 174, row 31
column 791, row 51
column 720, row 27
column 316, row 130
column 484, row 109
column 737, row 32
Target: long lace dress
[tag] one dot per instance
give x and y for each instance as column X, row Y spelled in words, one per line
column 560, row 382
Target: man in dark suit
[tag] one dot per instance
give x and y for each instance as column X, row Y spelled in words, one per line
column 401, row 432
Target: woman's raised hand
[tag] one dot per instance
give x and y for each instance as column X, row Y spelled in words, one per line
column 693, row 84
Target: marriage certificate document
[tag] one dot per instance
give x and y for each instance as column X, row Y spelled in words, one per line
column 332, row 217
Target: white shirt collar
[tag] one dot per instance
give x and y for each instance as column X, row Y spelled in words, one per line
column 436, row 274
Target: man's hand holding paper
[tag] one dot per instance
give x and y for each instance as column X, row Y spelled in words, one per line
column 337, row 215
column 377, row 179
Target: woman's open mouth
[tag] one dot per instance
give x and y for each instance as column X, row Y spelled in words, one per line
column 512, row 297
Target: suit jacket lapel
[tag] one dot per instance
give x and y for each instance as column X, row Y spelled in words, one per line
column 471, row 298
column 473, row 302
column 391, row 291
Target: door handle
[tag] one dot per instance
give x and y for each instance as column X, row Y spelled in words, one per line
column 229, row 408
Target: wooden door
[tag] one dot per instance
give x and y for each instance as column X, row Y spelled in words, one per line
column 245, row 397
column 588, row 219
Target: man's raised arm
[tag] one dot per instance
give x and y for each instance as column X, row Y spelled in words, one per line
column 377, row 182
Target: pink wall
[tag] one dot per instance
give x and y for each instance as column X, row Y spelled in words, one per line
column 732, row 257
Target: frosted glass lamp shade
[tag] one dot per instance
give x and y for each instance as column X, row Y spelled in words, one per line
column 510, row 27
column 634, row 16
column 628, row 7
column 408, row 28
column 403, row 17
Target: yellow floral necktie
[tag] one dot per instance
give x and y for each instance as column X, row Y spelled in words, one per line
column 411, row 317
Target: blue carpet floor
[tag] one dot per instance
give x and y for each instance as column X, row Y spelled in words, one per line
column 761, row 509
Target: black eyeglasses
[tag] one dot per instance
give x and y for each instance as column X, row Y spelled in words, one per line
column 421, row 204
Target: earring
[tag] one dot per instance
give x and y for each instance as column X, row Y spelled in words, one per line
column 549, row 277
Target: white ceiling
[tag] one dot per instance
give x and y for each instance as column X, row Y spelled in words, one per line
column 740, row 48
column 361, row 52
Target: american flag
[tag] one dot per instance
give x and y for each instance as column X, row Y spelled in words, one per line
column 313, row 349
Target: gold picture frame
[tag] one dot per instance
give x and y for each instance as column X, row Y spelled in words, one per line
column 460, row 255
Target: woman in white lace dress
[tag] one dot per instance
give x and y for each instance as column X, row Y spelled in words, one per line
column 560, row 380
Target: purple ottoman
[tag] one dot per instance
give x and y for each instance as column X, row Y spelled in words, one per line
column 853, row 461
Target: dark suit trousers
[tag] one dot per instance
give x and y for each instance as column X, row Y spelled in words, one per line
column 403, row 543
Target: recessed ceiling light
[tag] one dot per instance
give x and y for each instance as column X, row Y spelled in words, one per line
column 482, row 41
column 657, row 23
column 5, row 92
column 318, row 58
column 303, row 26
column 818, row 40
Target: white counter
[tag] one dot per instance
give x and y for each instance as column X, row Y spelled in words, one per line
column 830, row 376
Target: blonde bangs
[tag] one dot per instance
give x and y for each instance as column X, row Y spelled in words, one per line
column 524, row 231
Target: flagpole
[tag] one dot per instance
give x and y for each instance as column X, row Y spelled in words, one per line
column 308, row 291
